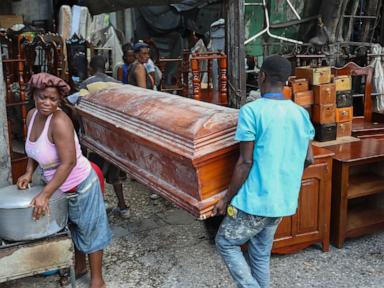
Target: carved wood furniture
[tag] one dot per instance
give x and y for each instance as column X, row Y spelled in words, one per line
column 181, row 148
column 358, row 189
column 210, row 95
column 58, row 43
column 16, row 106
column 179, row 81
column 362, row 126
column 41, row 56
column 311, row 223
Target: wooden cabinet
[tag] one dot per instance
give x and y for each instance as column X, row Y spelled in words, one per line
column 357, row 189
column 311, row 222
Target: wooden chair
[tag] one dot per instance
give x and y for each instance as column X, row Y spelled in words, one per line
column 41, row 56
column 362, row 126
column 180, row 80
column 57, row 41
column 209, row 94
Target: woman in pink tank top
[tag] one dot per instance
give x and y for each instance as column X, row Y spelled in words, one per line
column 53, row 145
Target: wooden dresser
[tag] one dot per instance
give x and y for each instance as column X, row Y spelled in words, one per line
column 311, row 223
column 358, row 189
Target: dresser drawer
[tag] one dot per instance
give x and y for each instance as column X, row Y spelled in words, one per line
column 324, row 93
column 343, row 83
column 344, row 99
column 299, row 85
column 344, row 129
column 324, row 114
column 344, row 114
column 325, row 132
column 304, row 98
column 315, row 76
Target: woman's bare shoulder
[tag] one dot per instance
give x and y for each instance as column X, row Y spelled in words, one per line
column 62, row 120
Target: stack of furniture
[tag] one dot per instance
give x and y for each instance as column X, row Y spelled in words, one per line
column 323, row 98
column 344, row 105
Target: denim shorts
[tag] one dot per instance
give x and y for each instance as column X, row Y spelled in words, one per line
column 90, row 228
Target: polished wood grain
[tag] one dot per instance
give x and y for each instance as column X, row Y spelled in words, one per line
column 311, row 223
column 182, row 148
column 207, row 94
column 363, row 150
column 324, row 94
column 365, row 129
column 356, row 197
column 352, row 69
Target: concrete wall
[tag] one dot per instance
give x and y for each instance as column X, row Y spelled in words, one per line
column 5, row 164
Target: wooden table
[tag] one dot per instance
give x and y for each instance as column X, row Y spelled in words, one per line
column 311, row 223
column 357, row 189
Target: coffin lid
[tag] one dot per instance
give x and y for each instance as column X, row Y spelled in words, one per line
column 182, row 121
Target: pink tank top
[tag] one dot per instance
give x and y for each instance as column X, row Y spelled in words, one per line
column 44, row 152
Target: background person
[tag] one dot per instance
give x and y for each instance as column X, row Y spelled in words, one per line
column 113, row 175
column 138, row 74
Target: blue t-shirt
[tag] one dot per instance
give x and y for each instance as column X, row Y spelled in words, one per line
column 281, row 131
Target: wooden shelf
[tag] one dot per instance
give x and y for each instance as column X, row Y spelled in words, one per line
column 364, row 185
column 364, row 218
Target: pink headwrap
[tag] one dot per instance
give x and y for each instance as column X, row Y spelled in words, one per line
column 45, row 80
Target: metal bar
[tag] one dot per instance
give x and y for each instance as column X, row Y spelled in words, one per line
column 362, row 95
column 294, row 10
column 362, row 16
column 253, row 4
column 294, row 22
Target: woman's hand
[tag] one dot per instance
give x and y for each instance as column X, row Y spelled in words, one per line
column 23, row 181
column 40, row 205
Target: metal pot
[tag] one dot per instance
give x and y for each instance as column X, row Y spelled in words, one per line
column 16, row 222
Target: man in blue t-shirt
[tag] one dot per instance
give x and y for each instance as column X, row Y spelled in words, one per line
column 274, row 136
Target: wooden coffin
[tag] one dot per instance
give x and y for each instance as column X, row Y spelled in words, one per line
column 182, row 148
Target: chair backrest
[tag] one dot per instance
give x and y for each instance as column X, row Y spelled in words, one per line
column 216, row 70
